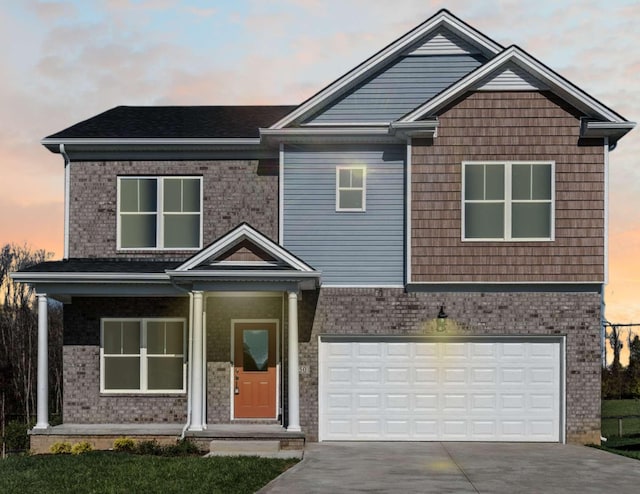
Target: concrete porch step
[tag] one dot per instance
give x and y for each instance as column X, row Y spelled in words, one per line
column 251, row 447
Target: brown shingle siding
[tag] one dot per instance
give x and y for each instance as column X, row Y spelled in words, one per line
column 500, row 126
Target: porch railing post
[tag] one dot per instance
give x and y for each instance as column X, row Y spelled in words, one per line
column 294, row 379
column 43, row 365
column 196, row 365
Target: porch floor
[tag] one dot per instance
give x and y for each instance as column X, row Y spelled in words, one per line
column 101, row 436
column 212, row 430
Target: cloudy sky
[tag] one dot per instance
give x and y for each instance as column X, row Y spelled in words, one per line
column 64, row 61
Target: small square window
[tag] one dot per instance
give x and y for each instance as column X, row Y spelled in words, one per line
column 350, row 188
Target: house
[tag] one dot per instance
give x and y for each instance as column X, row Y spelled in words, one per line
column 416, row 252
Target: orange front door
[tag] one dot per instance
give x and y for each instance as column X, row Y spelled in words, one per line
column 254, row 370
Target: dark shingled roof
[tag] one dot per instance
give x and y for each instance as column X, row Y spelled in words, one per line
column 100, row 265
column 176, row 122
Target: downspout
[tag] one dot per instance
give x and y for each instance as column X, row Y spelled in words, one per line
column 190, row 353
column 67, row 173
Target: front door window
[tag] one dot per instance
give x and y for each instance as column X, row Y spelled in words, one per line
column 255, row 347
column 255, row 370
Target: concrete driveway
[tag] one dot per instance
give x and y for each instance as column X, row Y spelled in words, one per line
column 458, row 467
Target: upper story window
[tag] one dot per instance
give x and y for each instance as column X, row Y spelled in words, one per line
column 508, row 201
column 159, row 212
column 350, row 188
column 142, row 355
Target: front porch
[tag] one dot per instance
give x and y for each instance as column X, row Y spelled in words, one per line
column 102, row 436
column 161, row 350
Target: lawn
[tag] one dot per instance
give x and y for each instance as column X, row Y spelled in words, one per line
column 612, row 408
column 109, row 472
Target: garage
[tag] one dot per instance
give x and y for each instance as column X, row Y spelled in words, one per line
column 437, row 389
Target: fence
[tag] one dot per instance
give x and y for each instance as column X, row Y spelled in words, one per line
column 621, row 425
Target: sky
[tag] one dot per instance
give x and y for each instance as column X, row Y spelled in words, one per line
column 65, row 61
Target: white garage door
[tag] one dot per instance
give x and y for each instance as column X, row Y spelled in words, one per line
column 456, row 390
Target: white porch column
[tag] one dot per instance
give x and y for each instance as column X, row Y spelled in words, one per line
column 294, row 379
column 43, row 364
column 197, row 365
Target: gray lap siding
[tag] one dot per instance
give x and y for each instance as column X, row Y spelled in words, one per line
column 342, row 311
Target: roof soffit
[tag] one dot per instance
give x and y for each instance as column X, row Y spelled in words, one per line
column 404, row 44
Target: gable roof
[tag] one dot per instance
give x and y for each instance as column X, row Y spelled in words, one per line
column 540, row 72
column 274, row 255
column 409, row 41
column 173, row 122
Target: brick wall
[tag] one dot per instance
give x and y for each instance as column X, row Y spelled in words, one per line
column 508, row 126
column 234, row 191
column 393, row 312
column 82, row 401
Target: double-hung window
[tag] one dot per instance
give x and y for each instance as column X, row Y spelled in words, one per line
column 142, row 355
column 508, row 201
column 159, row 212
column 350, row 188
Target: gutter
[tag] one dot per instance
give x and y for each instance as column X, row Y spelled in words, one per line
column 84, row 277
column 67, row 184
column 189, row 377
column 87, row 141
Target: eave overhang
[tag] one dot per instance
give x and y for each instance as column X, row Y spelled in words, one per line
column 325, row 134
column 393, row 133
column 81, row 149
column 419, row 129
column 598, row 129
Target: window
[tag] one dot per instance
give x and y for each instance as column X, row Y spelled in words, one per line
column 350, row 188
column 143, row 355
column 159, row 213
column 508, row 201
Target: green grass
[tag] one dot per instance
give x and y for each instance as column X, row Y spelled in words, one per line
column 629, row 454
column 109, row 472
column 620, row 407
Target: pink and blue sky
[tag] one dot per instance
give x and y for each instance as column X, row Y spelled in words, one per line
column 64, row 61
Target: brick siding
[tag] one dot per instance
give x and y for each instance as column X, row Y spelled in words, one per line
column 82, row 400
column 234, row 191
column 394, row 312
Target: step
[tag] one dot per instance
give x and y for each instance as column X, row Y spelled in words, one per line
column 263, row 448
column 267, row 446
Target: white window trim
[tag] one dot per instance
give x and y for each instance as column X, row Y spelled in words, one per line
column 143, row 357
column 363, row 189
column 159, row 214
column 508, row 201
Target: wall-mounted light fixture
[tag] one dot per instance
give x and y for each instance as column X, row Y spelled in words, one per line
column 442, row 320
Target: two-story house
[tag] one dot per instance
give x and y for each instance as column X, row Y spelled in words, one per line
column 416, row 252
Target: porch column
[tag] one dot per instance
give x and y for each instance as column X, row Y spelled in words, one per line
column 197, row 365
column 294, row 380
column 43, row 364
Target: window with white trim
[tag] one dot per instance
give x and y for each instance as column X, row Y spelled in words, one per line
column 350, row 188
column 142, row 356
column 159, row 212
column 508, row 200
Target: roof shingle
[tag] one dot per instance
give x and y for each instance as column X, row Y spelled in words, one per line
column 176, row 122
